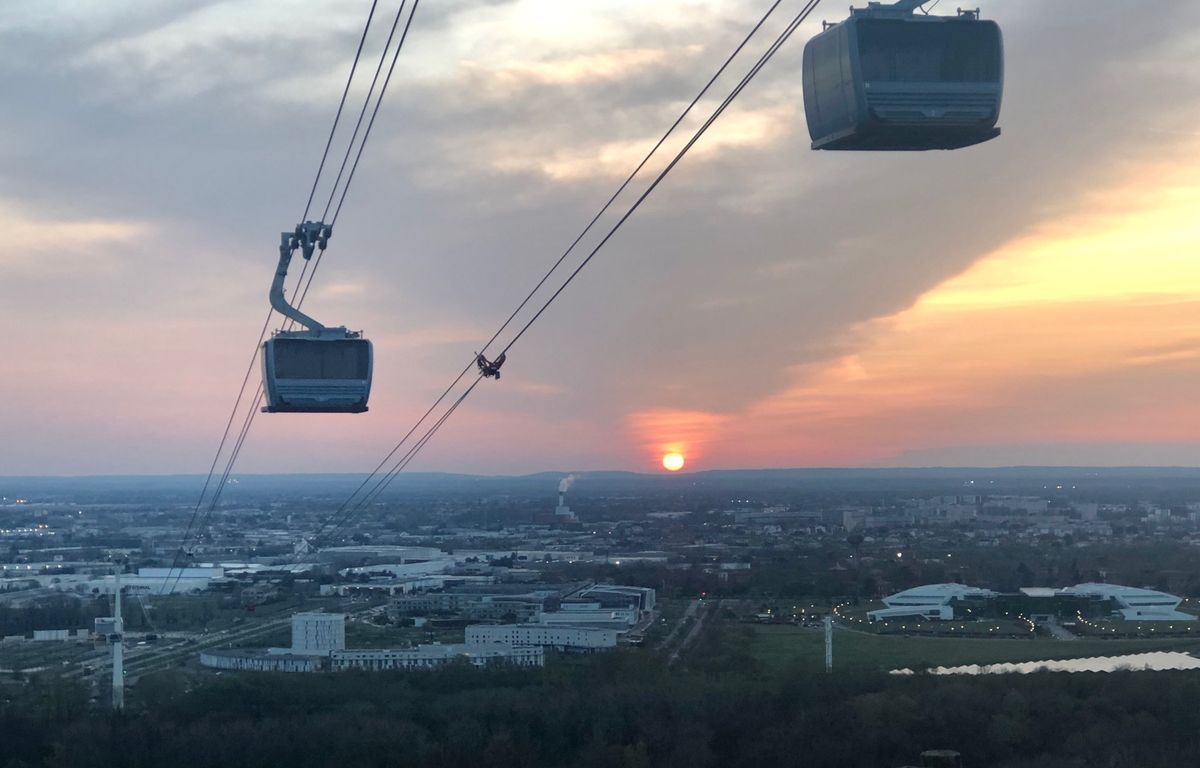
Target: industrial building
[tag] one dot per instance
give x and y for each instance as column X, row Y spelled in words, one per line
column 59, row 635
column 431, row 567
column 367, row 554
column 487, row 601
column 946, row 602
column 560, row 637
column 524, row 607
column 592, row 615
column 436, row 655
column 618, row 596
column 154, row 581
column 579, row 604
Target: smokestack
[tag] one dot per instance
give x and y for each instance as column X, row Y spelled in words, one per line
column 563, row 512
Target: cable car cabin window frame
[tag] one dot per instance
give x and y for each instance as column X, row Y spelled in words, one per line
column 321, row 353
column 928, row 51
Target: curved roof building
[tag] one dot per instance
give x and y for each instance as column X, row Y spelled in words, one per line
column 932, row 601
column 1134, row 603
column 936, row 601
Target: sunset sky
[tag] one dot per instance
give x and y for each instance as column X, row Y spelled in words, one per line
column 1034, row 300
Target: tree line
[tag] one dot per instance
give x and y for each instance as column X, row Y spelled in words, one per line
column 623, row 710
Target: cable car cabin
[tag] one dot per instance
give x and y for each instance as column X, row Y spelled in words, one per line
column 886, row 79
column 326, row 371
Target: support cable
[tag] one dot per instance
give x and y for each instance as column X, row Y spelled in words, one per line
column 175, row 561
column 266, row 323
column 375, row 111
column 808, row 8
column 366, row 105
column 341, row 104
column 766, row 57
column 570, row 249
column 400, row 465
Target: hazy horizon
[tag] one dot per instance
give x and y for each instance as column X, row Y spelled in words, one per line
column 581, row 473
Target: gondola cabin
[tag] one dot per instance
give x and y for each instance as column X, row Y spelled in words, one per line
column 889, row 79
column 326, row 371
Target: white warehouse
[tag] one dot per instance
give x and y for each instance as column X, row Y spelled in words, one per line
column 560, row 637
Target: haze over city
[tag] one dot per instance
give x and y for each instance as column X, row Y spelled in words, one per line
column 1029, row 301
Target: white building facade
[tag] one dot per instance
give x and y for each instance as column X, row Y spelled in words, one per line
column 317, row 634
column 434, row 656
column 932, row 601
column 249, row 660
column 1134, row 603
column 561, row 637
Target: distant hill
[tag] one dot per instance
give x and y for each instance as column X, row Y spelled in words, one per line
column 1131, row 483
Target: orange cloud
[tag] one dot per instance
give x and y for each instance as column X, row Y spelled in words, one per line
column 1087, row 329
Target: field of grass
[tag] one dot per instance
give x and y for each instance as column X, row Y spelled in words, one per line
column 1119, row 628
column 784, row 647
column 856, row 618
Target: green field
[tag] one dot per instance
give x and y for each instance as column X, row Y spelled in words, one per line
column 856, row 618
column 53, row 656
column 785, row 647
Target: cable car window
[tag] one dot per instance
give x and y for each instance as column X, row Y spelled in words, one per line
column 906, row 51
column 298, row 359
column 827, row 63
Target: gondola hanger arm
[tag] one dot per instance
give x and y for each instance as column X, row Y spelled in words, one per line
column 306, row 237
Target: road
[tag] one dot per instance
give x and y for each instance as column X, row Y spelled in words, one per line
column 175, row 653
column 689, row 613
column 1058, row 631
column 692, row 634
column 142, row 659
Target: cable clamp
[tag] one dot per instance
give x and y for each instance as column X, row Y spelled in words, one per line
column 490, row 369
column 309, row 236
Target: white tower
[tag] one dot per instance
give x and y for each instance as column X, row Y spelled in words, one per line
column 317, row 634
column 118, row 656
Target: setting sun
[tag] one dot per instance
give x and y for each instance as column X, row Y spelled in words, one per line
column 672, row 462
